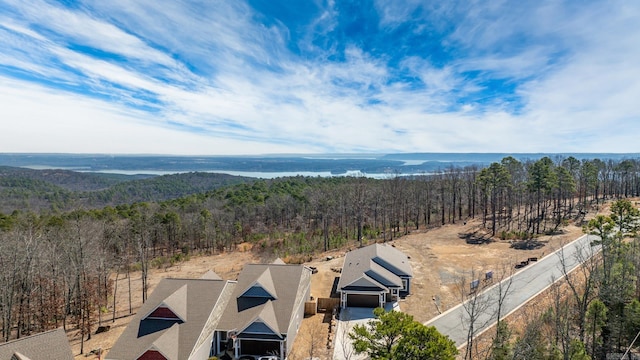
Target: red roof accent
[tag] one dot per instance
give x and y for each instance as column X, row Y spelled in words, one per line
column 152, row 355
column 163, row 313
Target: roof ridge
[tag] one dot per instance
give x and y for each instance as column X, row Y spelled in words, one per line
column 167, row 342
column 34, row 335
column 268, row 316
column 193, row 279
column 274, row 264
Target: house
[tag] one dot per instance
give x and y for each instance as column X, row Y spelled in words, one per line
column 265, row 311
column 177, row 322
column 374, row 275
column 44, row 346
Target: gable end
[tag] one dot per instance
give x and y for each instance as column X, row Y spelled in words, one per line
column 152, row 355
column 163, row 312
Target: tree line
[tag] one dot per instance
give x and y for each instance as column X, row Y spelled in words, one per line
column 56, row 267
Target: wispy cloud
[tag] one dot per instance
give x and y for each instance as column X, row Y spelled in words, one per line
column 225, row 77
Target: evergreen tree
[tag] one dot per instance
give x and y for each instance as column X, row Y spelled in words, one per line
column 395, row 335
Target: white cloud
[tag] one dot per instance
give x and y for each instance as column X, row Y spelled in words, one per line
column 209, row 66
column 79, row 27
column 40, row 120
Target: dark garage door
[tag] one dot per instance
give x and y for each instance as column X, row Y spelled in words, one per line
column 259, row 347
column 358, row 300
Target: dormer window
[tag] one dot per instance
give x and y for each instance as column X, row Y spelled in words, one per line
column 263, row 287
column 152, row 355
column 173, row 307
column 163, row 312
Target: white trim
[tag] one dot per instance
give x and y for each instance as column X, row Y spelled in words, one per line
column 361, row 292
column 262, row 321
column 344, row 297
column 257, row 284
column 368, row 278
column 163, row 304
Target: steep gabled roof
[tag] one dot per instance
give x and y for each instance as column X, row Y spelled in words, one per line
column 382, row 263
column 278, row 261
column 263, row 287
column 167, row 344
column 44, row 346
column 365, row 283
column 176, row 302
column 266, row 317
column 204, row 301
column 289, row 282
column 211, row 275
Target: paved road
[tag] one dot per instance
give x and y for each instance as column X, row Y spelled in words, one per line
column 526, row 284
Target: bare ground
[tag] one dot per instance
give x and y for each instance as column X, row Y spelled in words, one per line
column 439, row 258
column 227, row 265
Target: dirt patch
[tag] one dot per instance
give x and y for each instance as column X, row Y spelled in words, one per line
column 227, row 265
column 439, row 258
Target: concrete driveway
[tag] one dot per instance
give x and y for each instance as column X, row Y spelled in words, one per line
column 350, row 317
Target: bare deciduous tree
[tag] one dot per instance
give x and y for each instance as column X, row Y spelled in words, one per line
column 475, row 305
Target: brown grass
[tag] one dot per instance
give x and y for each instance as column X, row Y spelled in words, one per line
column 438, row 256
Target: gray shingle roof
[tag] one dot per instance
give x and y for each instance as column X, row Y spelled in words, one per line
column 378, row 263
column 268, row 317
column 289, row 282
column 264, row 283
column 203, row 301
column 177, row 302
column 211, row 275
column 168, row 343
column 44, row 346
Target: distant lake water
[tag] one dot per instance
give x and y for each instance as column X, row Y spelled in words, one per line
column 252, row 174
column 379, row 166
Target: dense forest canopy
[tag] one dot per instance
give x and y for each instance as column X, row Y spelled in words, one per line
column 64, row 190
column 60, row 241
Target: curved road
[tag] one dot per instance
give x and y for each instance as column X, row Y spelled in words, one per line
column 526, row 284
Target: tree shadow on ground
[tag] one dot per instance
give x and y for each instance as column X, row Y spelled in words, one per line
column 476, row 237
column 530, row 244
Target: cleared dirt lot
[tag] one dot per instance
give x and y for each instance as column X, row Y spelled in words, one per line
column 439, row 258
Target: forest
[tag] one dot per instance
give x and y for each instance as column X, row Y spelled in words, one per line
column 57, row 260
column 64, row 190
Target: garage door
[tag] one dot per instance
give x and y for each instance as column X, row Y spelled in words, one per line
column 358, row 300
column 259, row 347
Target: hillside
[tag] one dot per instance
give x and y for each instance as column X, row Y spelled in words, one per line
column 35, row 190
column 438, row 256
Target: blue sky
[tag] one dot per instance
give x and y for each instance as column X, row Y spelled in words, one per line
column 280, row 76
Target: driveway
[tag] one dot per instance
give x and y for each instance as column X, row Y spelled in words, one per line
column 350, row 317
